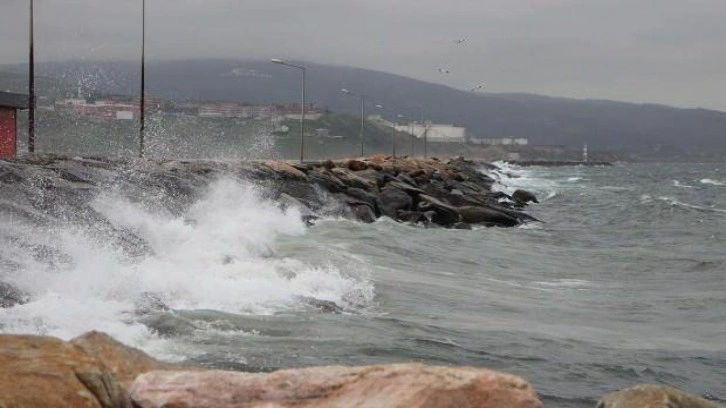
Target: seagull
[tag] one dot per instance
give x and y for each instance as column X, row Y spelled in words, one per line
column 444, row 71
column 478, row 87
column 460, row 41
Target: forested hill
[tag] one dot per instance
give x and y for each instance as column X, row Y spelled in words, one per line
column 544, row 120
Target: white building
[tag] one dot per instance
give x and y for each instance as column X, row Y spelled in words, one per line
column 501, row 141
column 435, row 132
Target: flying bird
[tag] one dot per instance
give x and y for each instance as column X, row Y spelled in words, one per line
column 444, row 71
column 478, row 87
column 460, row 41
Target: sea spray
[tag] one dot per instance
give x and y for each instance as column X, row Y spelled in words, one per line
column 220, row 254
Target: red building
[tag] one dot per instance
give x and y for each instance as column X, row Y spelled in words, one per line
column 10, row 103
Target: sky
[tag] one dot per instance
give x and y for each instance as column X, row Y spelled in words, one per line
column 663, row 51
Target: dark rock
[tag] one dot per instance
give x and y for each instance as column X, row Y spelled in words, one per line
column 327, row 180
column 406, row 179
column 416, row 173
column 328, row 164
column 394, row 199
column 444, row 214
column 412, row 216
column 524, row 197
column 409, row 189
column 368, row 198
column 483, row 215
column 363, row 213
column 325, row 306
column 350, row 179
column 8, row 176
column 357, row 165
column 168, row 324
column 11, row 296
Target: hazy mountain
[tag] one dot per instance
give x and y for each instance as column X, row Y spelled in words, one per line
column 544, row 120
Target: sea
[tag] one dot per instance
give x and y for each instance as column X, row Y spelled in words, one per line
column 623, row 282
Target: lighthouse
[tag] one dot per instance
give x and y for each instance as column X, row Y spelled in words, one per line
column 584, row 153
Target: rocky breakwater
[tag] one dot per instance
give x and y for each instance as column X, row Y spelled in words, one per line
column 452, row 193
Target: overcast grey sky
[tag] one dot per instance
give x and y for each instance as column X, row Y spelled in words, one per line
column 665, row 51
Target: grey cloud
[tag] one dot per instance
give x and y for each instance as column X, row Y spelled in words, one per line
column 666, row 51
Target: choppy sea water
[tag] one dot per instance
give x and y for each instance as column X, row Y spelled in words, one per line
column 622, row 284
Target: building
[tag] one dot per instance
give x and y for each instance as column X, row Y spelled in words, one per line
column 501, row 141
column 10, row 103
column 435, row 132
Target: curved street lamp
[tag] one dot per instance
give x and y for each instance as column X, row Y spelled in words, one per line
column 31, row 85
column 302, row 104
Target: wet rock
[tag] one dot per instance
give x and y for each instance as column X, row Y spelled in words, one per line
column 168, row 324
column 444, row 214
column 524, row 197
column 11, row 296
column 327, row 180
column 413, row 216
column 401, row 385
column 285, row 170
column 356, row 165
column 409, row 189
column 148, row 303
column 363, row 213
column 483, row 215
column 350, row 179
column 654, row 396
column 325, row 306
column 366, row 197
column 90, row 371
column 394, row 199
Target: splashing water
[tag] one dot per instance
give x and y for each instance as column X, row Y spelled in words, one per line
column 219, row 255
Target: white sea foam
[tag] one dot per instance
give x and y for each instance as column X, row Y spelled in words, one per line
column 713, row 182
column 677, row 183
column 219, row 255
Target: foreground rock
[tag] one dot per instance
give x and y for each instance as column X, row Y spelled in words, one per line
column 405, row 385
column 654, row 396
column 90, row 371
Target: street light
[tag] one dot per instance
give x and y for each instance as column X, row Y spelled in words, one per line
column 302, row 105
column 31, row 85
column 142, row 101
column 362, row 114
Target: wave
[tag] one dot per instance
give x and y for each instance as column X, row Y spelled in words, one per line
column 713, row 182
column 220, row 254
column 672, row 201
column 677, row 183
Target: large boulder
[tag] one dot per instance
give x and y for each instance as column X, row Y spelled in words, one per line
column 89, row 371
column 524, row 197
column 394, row 199
column 403, row 385
column 654, row 396
column 444, row 213
column 488, row 216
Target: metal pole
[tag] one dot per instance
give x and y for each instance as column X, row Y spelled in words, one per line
column 413, row 140
column 31, row 86
column 142, row 106
column 362, row 120
column 302, row 119
column 426, row 140
column 394, row 139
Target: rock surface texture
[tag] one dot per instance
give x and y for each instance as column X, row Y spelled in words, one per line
column 654, row 396
column 405, row 385
column 89, row 371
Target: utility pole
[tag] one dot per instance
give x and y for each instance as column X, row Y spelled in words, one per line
column 142, row 107
column 362, row 122
column 31, row 86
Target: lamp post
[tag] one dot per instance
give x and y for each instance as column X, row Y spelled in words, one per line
column 31, row 85
column 362, row 114
column 142, row 101
column 302, row 105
